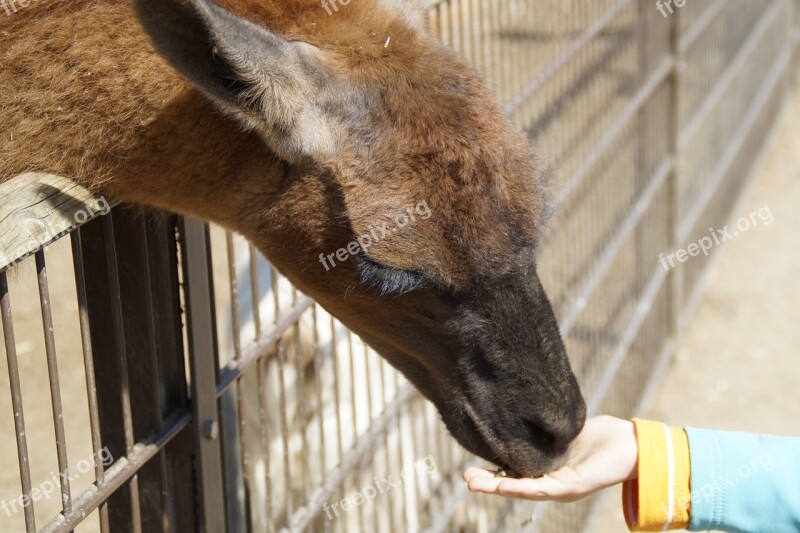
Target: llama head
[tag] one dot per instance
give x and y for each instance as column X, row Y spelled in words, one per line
column 408, row 207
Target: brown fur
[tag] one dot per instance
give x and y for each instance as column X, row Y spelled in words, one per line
column 83, row 94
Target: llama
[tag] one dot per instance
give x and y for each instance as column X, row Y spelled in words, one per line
column 303, row 131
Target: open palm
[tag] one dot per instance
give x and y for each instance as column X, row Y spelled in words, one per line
column 604, row 454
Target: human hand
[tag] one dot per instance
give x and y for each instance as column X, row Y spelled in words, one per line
column 603, row 454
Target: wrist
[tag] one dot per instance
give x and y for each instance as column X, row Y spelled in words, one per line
column 631, row 449
column 658, row 496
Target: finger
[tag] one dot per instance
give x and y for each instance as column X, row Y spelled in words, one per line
column 477, row 472
column 544, row 488
column 484, row 484
column 547, row 488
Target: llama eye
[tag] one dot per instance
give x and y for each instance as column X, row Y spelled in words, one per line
column 388, row 280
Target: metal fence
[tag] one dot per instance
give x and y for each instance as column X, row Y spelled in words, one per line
column 192, row 388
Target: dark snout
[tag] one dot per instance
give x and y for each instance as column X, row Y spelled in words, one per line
column 522, row 394
column 553, row 407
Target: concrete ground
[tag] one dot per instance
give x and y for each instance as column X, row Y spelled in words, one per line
column 738, row 363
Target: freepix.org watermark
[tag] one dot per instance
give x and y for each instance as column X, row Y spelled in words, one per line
column 52, row 485
column 762, row 216
column 12, row 6
column 374, row 235
column 38, row 232
column 379, row 486
column 764, row 463
column 665, row 7
column 331, row 6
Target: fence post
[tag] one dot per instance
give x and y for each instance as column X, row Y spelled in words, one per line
column 203, row 367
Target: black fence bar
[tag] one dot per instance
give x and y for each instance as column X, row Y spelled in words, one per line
column 156, row 494
column 120, row 350
column 167, row 366
column 88, row 367
column 146, row 252
column 106, row 341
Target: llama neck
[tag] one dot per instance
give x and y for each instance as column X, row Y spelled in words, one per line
column 192, row 160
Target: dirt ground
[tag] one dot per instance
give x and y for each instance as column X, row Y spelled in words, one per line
column 738, row 363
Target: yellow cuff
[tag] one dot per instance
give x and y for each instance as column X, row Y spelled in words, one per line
column 660, row 498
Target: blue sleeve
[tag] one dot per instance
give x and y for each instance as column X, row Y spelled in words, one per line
column 744, row 482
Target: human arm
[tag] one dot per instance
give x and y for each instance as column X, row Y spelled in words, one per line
column 744, row 482
column 658, row 488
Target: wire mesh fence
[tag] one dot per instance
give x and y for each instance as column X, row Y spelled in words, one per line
column 190, row 385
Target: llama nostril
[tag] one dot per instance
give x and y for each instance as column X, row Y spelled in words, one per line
column 540, row 437
column 549, row 438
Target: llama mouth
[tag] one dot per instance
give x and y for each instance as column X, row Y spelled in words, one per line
column 536, row 458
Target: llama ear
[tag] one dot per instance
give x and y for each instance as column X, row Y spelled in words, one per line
column 412, row 11
column 264, row 80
